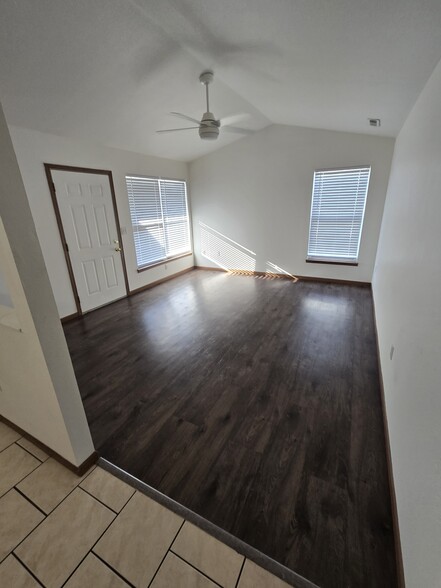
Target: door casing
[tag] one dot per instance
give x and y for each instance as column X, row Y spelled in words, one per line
column 48, row 169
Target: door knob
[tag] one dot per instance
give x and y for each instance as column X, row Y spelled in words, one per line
column 117, row 248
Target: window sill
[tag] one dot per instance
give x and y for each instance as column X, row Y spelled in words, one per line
column 333, row 261
column 162, row 262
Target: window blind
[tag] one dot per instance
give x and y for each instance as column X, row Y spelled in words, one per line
column 337, row 212
column 160, row 222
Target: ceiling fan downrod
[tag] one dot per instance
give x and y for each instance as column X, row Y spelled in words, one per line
column 209, row 127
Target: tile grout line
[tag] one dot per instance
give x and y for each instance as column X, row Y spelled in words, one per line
column 195, row 568
column 46, row 515
column 32, row 471
column 13, row 443
column 127, row 501
column 36, row 527
column 61, row 501
column 27, row 535
column 90, row 550
column 240, row 572
column 30, row 453
column 29, row 500
column 165, row 555
column 26, row 568
column 98, row 500
column 30, row 533
column 28, row 474
column 115, row 571
column 176, row 536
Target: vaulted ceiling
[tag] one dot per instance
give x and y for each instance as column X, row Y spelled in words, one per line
column 109, row 71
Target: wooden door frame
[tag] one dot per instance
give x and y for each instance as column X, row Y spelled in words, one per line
column 49, row 167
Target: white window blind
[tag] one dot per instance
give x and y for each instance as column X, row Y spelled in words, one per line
column 337, row 212
column 160, row 222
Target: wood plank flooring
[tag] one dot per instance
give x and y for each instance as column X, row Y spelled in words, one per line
column 256, row 404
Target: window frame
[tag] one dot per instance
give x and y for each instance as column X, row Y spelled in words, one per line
column 167, row 258
column 335, row 260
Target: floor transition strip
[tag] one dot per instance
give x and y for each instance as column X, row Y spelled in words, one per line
column 241, row 547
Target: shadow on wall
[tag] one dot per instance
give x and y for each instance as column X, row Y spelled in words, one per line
column 5, row 297
column 8, row 315
column 234, row 257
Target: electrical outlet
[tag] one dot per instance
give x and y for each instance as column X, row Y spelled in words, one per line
column 392, row 349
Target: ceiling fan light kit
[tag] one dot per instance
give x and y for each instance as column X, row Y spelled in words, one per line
column 209, row 126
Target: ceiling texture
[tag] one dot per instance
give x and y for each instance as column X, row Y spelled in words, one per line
column 110, row 71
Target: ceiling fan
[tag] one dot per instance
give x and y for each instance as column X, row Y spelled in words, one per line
column 208, row 126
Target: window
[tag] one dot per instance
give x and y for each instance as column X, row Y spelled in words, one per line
column 159, row 213
column 337, row 212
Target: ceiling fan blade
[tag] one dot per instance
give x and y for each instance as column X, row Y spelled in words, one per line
column 174, row 130
column 185, row 117
column 237, row 130
column 234, row 118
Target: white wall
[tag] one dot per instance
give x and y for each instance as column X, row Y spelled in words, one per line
column 33, row 149
column 38, row 389
column 257, row 194
column 407, row 294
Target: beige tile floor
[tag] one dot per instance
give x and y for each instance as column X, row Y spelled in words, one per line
column 58, row 529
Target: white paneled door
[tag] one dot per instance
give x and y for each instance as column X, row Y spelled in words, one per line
column 86, row 209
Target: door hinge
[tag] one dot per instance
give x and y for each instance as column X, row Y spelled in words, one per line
column 66, row 246
column 53, row 187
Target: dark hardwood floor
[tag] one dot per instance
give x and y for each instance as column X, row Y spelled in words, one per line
column 255, row 403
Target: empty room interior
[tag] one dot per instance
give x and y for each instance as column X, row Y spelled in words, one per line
column 220, row 289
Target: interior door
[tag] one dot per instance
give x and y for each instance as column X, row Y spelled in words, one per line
column 86, row 209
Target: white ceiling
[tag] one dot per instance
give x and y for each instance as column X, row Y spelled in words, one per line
column 109, row 71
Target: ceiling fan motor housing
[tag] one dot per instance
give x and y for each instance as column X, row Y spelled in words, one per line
column 209, row 127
